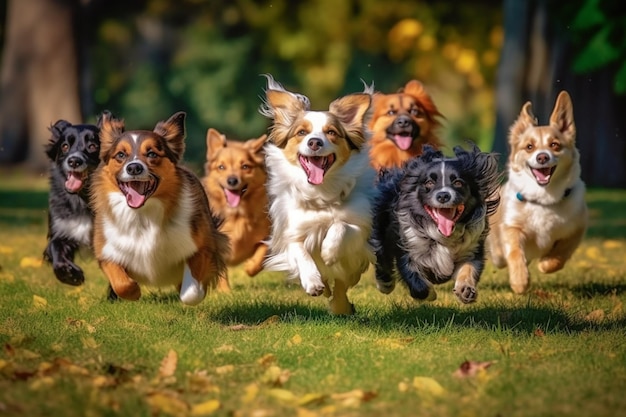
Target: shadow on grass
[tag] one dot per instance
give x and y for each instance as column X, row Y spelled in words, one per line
column 20, row 208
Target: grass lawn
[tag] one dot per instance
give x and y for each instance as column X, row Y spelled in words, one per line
column 268, row 349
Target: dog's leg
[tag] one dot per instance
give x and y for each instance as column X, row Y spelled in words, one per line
column 419, row 288
column 339, row 303
column 332, row 241
column 200, row 273
column 310, row 276
column 560, row 253
column 514, row 241
column 385, row 279
column 254, row 265
column 60, row 253
column 122, row 284
column 467, row 276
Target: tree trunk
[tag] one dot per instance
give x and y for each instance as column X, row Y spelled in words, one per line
column 38, row 79
column 535, row 65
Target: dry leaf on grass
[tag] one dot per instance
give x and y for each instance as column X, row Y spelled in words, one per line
column 428, row 386
column 31, row 262
column 165, row 402
column 353, row 398
column 274, row 376
column 206, row 408
column 168, row 364
column 470, row 369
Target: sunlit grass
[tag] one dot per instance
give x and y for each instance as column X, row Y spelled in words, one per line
column 268, row 349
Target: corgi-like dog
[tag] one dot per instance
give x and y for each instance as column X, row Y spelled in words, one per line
column 153, row 225
column 234, row 180
column 543, row 214
column 401, row 124
column 321, row 188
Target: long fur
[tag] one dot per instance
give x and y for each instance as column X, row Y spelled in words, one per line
column 153, row 224
column 319, row 230
column 73, row 151
column 401, row 124
column 234, row 180
column 543, row 214
column 409, row 243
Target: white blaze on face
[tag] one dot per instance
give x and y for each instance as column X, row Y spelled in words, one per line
column 191, row 291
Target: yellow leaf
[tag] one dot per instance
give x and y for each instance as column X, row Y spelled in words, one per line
column 205, row 408
column 353, row 398
column 221, row 370
column 612, row 244
column 250, row 392
column 311, row 398
column 31, row 262
column 296, row 340
column 394, row 343
column 304, row 412
column 168, row 364
column 168, row 404
column 403, row 386
column 39, row 302
column 89, row 343
column 270, row 320
column 42, row 383
column 267, row 359
column 282, row 395
column 6, row 276
column 275, row 376
column 428, row 386
column 5, row 250
column 595, row 316
column 595, row 254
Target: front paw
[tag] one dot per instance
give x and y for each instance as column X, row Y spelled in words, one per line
column 69, row 274
column 385, row 283
column 313, row 285
column 331, row 243
column 129, row 290
column 465, row 293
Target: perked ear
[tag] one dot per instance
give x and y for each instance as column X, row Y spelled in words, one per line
column 111, row 128
column 562, row 117
column 281, row 105
column 256, row 145
column 525, row 119
column 173, row 131
column 214, row 142
column 58, row 128
column 353, row 112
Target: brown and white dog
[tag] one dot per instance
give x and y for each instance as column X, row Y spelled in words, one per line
column 401, row 124
column 321, row 189
column 542, row 214
column 234, row 180
column 153, row 225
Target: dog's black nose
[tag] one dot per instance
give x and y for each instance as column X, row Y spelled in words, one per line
column 134, row 168
column 443, row 196
column 403, row 122
column 314, row 144
column 232, row 181
column 74, row 162
column 543, row 158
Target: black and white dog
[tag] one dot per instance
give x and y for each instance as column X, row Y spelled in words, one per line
column 431, row 222
column 74, row 151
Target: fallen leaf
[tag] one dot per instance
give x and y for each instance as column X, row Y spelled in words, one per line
column 205, row 408
column 395, row 343
column 89, row 342
column 296, row 340
column 168, row 364
column 250, row 392
column 270, row 320
column 267, row 359
column 275, row 376
column 31, row 262
column 311, row 398
column 428, row 386
column 612, row 244
column 239, row 327
column 164, row 402
column 5, row 250
column 353, row 398
column 282, row 395
column 595, row 316
column 200, row 381
column 221, row 370
column 471, row 368
column 39, row 302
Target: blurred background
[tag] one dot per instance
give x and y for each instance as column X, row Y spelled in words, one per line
column 146, row 59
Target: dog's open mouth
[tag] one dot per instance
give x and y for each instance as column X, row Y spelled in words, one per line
column 403, row 140
column 233, row 197
column 75, row 181
column 543, row 175
column 137, row 192
column 445, row 218
column 316, row 166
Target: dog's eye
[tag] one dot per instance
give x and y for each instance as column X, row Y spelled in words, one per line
column 392, row 112
column 302, row 132
column 65, row 147
column 152, row 155
column 120, row 156
column 92, row 147
column 221, row 167
column 457, row 184
column 530, row 147
column 555, row 146
column 428, row 185
column 415, row 111
column 246, row 167
column 331, row 132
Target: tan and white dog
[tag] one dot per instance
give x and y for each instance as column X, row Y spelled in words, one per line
column 542, row 213
column 321, row 187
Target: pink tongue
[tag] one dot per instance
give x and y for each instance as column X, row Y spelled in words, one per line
column 444, row 224
column 232, row 198
column 133, row 198
column 73, row 183
column 403, row 142
column 542, row 175
column 314, row 170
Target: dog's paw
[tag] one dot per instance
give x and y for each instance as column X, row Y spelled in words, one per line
column 69, row 274
column 386, row 287
column 465, row 293
column 549, row 265
column 252, row 267
column 128, row 291
column 313, row 285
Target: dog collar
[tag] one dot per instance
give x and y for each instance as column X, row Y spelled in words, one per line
column 521, row 198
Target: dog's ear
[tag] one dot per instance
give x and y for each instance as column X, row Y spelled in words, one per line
column 214, row 142
column 173, row 131
column 417, row 90
column 525, row 119
column 354, row 113
column 110, row 129
column 57, row 133
column 429, row 153
column 562, row 117
column 256, row 145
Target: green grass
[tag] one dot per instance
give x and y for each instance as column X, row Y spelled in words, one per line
column 268, row 349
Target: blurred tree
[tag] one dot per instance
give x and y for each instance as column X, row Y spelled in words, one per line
column 578, row 46
column 39, row 77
